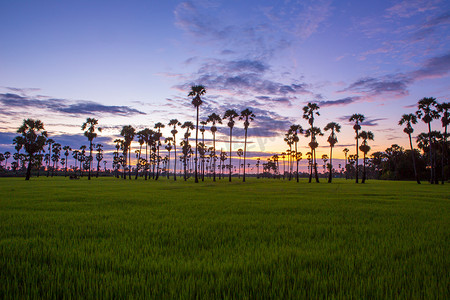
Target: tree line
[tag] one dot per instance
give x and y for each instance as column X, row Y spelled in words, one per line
column 41, row 152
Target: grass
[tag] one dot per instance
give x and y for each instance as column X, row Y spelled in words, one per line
column 109, row 238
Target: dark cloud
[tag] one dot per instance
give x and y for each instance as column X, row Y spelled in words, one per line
column 343, row 101
column 367, row 121
column 433, row 67
column 10, row 101
column 396, row 84
column 438, row 66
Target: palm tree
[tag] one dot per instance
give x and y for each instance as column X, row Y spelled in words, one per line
column 313, row 132
column 357, row 118
column 294, row 130
column 169, row 142
column 66, row 154
column 214, row 119
column 345, row 150
column 230, row 115
column 90, row 133
column 410, row 119
column 99, row 156
column 332, row 140
column 141, row 137
column 365, row 148
column 246, row 115
column 309, row 111
column 240, row 152
column 289, row 139
column 128, row 133
column 195, row 93
column 444, row 108
column 427, row 111
column 174, row 123
column 49, row 142
column 158, row 135
column 33, row 139
column 202, row 130
column 186, row 147
column 7, row 155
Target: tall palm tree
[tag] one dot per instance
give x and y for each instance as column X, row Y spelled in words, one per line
column 7, row 155
column 345, row 150
column 289, row 139
column 365, row 148
column 427, row 111
column 313, row 132
column 90, row 127
column 49, row 143
column 202, row 130
column 169, row 142
column 410, row 119
column 66, row 154
column 230, row 115
column 128, row 133
column 295, row 130
column 141, row 137
column 309, row 112
column 195, row 93
column 33, row 138
column 246, row 115
column 174, row 123
column 332, row 140
column 444, row 109
column 186, row 147
column 214, row 119
column 240, row 152
column 99, row 156
column 158, row 126
column 358, row 119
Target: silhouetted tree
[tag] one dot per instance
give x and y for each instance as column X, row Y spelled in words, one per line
column 33, row 138
column 365, row 148
column 309, row 113
column 410, row 119
column 230, row 115
column 90, row 133
column 358, row 119
column 332, row 140
column 246, row 115
column 195, row 93
column 427, row 111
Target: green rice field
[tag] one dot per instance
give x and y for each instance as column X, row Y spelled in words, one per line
column 263, row 239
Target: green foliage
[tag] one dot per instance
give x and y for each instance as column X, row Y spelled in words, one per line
column 263, row 239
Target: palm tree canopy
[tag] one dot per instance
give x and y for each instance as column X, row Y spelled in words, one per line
column 427, row 109
column 309, row 111
column 366, row 135
column 246, row 115
column 196, row 92
column 230, row 115
column 33, row 136
column 214, row 118
column 188, row 125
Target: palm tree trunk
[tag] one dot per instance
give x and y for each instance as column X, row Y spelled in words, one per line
column 146, row 160
column 196, row 148
column 30, row 163
column 157, row 160
column 245, row 152
column 413, row 159
column 357, row 157
column 175, row 162
column 364, row 169
column 296, row 159
column 315, row 167
column 168, row 167
column 231, row 130
column 214, row 157
column 444, row 154
column 137, row 163
column 431, row 154
column 330, row 176
column 90, row 159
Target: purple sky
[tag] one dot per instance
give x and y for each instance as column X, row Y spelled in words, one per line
column 132, row 62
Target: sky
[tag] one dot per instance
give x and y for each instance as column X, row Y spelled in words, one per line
column 133, row 62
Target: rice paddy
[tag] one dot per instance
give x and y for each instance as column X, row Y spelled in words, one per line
column 108, row 237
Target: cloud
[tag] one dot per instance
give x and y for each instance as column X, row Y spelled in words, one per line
column 367, row 122
column 410, row 8
column 343, row 101
column 434, row 67
column 11, row 101
column 396, row 84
